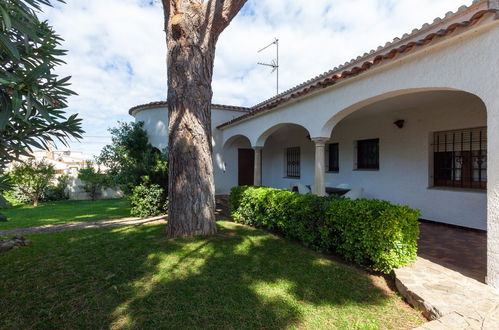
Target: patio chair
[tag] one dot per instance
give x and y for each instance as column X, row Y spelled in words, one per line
column 303, row 189
column 354, row 193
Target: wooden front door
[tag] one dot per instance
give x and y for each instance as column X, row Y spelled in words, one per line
column 246, row 163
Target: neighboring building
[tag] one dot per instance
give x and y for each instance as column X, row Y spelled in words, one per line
column 414, row 122
column 64, row 161
column 67, row 162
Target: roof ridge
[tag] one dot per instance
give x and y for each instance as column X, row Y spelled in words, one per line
column 165, row 103
column 331, row 79
column 416, row 31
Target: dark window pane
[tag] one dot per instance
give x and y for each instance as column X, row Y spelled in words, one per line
column 333, row 161
column 293, row 162
column 460, row 158
column 368, row 154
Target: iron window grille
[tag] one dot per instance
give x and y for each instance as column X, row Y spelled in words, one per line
column 293, row 162
column 333, row 158
column 368, row 154
column 460, row 158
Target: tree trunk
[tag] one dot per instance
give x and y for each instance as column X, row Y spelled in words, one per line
column 191, row 184
column 35, row 202
column 192, row 29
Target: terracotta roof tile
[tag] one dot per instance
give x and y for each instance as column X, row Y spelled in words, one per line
column 333, row 76
column 165, row 103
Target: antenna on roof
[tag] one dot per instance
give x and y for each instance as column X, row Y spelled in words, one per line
column 274, row 64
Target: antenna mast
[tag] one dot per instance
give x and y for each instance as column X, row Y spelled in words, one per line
column 274, row 64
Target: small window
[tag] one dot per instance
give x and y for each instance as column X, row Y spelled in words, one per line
column 460, row 158
column 368, row 154
column 293, row 162
column 332, row 158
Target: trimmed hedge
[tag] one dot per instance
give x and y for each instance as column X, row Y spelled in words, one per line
column 148, row 200
column 373, row 233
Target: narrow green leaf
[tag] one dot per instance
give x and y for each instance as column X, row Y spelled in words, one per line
column 5, row 111
column 8, row 46
column 6, row 18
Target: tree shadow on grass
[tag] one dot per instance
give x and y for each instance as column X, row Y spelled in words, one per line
column 242, row 278
column 135, row 278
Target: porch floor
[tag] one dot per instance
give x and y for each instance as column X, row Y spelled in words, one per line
column 460, row 249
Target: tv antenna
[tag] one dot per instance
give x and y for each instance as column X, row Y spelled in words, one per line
column 274, row 64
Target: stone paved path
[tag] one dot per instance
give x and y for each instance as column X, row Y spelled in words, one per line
column 83, row 225
column 448, row 298
column 461, row 249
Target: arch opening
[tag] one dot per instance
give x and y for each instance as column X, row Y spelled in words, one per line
column 430, row 152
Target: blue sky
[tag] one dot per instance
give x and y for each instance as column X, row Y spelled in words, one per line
column 117, row 53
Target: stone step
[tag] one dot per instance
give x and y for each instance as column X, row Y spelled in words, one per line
column 448, row 298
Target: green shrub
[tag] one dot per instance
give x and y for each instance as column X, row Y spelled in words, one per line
column 57, row 192
column 372, row 233
column 94, row 181
column 148, row 200
column 4, row 203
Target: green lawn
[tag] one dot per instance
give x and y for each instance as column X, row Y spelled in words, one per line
column 52, row 213
column 132, row 277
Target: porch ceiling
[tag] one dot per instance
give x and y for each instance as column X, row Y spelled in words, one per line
column 406, row 102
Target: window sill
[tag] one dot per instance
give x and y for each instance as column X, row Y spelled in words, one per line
column 337, row 171
column 366, row 169
column 290, row 177
column 471, row 190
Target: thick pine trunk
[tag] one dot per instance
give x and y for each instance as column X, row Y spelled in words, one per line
column 192, row 29
column 191, row 184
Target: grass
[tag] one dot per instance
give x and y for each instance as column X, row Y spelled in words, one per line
column 132, row 277
column 52, row 213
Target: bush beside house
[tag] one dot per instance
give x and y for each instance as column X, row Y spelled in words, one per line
column 148, row 200
column 372, row 233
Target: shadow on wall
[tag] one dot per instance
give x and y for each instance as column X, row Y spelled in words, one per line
column 76, row 192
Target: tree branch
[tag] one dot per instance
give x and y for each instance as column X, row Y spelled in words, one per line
column 219, row 14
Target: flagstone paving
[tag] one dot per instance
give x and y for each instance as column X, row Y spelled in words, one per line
column 447, row 297
column 461, row 249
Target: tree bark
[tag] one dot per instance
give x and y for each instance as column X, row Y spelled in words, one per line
column 192, row 29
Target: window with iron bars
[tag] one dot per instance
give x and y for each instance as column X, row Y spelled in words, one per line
column 460, row 158
column 293, row 162
column 368, row 154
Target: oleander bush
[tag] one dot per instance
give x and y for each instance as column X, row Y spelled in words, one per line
column 373, row 233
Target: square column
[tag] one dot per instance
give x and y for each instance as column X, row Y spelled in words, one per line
column 492, row 278
column 258, row 166
column 319, row 186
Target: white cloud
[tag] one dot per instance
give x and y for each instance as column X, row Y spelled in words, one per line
column 117, row 49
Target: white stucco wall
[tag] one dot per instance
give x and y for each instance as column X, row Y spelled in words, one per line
column 156, row 124
column 76, row 192
column 405, row 173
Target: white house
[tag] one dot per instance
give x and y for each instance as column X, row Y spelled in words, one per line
column 414, row 122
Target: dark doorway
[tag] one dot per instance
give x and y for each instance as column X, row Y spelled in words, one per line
column 246, row 163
